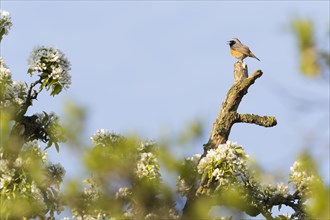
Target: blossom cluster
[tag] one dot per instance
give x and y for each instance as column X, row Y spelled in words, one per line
column 5, row 22
column 223, row 165
column 103, row 137
column 13, row 94
column 5, row 73
column 55, row 174
column 282, row 189
column 146, row 146
column 16, row 182
column 302, row 178
column 123, row 193
column 90, row 195
column 6, row 173
column 194, row 159
column 97, row 216
column 53, row 131
column 165, row 214
column 269, row 192
column 52, row 64
column 134, row 164
column 31, row 151
column 147, row 167
column 187, row 178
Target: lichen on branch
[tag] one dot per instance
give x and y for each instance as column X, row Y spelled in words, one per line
column 228, row 114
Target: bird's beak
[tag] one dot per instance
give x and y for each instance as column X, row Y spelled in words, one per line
column 228, row 42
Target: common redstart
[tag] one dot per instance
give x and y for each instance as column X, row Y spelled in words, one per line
column 239, row 50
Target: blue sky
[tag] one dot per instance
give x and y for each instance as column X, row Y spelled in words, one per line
column 152, row 66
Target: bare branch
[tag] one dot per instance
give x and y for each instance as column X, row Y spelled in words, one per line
column 265, row 121
column 228, row 114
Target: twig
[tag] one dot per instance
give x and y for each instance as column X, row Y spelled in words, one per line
column 30, row 96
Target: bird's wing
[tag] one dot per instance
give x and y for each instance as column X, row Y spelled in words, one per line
column 242, row 48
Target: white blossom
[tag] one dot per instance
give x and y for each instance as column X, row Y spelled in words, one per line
column 51, row 61
column 34, row 147
column 173, row 214
column 150, row 216
column 282, row 189
column 13, row 93
column 184, row 181
column 3, row 165
column 6, row 173
column 128, row 214
column 146, row 145
column 85, row 217
column 5, row 73
column 123, row 193
column 147, row 166
column 99, row 136
column 195, row 158
column 5, row 22
column 5, row 179
column 104, row 137
column 182, row 186
column 224, row 163
column 302, row 178
column 38, row 196
column 34, row 188
column 18, row 162
column 218, row 174
column 16, row 92
column 5, row 14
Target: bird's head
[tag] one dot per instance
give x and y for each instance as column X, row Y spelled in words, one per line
column 233, row 41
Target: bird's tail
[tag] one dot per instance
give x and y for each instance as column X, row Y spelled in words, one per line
column 252, row 55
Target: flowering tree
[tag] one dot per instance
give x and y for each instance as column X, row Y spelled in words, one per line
column 29, row 184
column 126, row 180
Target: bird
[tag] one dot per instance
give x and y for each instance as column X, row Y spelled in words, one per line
column 239, row 50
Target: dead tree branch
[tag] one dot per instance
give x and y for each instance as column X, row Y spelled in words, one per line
column 226, row 118
column 228, row 115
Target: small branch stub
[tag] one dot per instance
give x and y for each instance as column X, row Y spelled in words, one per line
column 240, row 71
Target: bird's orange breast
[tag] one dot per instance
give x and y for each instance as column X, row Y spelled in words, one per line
column 236, row 54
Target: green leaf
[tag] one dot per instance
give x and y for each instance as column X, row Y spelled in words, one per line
column 218, row 162
column 30, row 71
column 46, row 115
column 45, row 119
column 48, row 145
column 279, row 207
column 56, row 90
column 44, row 75
column 239, row 150
column 2, row 32
column 210, row 176
column 57, row 147
column 53, row 82
column 204, row 176
column 44, row 83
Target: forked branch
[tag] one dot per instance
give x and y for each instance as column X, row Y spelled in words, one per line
column 226, row 118
column 228, row 114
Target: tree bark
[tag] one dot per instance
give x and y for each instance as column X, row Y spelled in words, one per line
column 226, row 118
column 228, row 113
